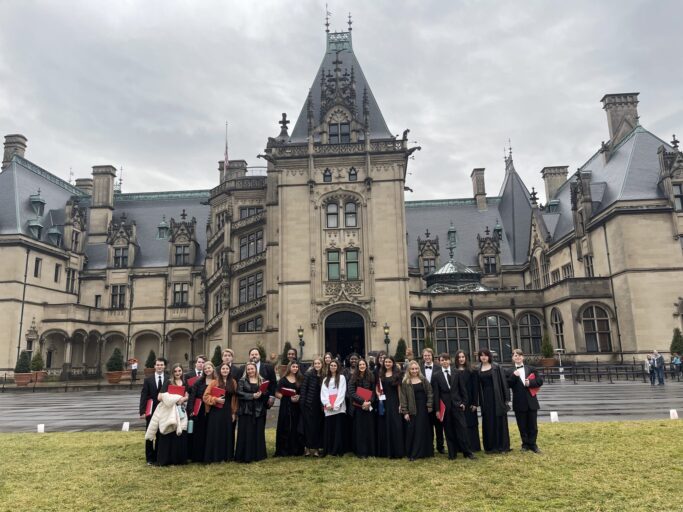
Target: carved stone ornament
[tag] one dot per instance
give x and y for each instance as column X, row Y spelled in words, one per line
column 343, row 291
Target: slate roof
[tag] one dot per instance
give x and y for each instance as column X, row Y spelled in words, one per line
column 378, row 127
column 632, row 173
column 515, row 213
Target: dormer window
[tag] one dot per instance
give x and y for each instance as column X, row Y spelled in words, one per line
column 353, row 174
column 678, row 197
column 490, row 266
column 37, row 203
column 182, row 255
column 162, row 229
column 340, row 133
column 75, row 240
column 327, row 176
column 35, row 228
column 120, row 257
column 55, row 236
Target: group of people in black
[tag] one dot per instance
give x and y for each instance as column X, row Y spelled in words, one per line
column 389, row 410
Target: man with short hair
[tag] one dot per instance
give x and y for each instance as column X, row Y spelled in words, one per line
column 198, row 368
column 430, row 369
column 228, row 357
column 151, row 387
column 266, row 372
column 659, row 366
column 524, row 403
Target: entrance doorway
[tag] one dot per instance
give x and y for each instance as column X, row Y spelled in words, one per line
column 345, row 334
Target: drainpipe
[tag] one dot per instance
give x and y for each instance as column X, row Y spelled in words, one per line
column 614, row 300
column 23, row 302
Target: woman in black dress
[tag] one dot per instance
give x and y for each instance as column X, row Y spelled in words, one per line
column 251, row 428
column 472, row 385
column 196, row 405
column 172, row 448
column 381, row 356
column 363, row 410
column 220, row 437
column 312, row 409
column 416, row 399
column 494, row 398
column 390, row 439
column 288, row 439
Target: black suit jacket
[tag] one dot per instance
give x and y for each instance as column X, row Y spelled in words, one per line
column 266, row 371
column 436, row 368
column 149, row 390
column 452, row 397
column 191, row 375
column 522, row 400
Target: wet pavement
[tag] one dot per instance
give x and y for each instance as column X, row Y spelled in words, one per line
column 76, row 411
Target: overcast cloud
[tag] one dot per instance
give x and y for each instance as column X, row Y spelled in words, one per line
column 148, row 85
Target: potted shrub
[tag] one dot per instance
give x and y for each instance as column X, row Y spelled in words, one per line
column 282, row 368
column 400, row 355
column 217, row 358
column 38, row 367
column 547, row 352
column 149, row 363
column 115, row 367
column 22, row 371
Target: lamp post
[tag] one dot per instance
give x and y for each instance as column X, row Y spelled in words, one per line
column 300, row 333
column 386, row 336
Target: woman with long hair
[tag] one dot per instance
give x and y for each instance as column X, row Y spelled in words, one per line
column 472, row 384
column 251, row 428
column 390, row 439
column 363, row 410
column 288, row 438
column 172, row 448
column 381, row 356
column 494, row 398
column 220, row 398
column 416, row 399
column 312, row 409
column 327, row 359
column 332, row 393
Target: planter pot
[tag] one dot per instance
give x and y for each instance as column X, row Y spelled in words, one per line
column 149, row 371
column 22, row 379
column 114, row 377
column 39, row 376
column 548, row 361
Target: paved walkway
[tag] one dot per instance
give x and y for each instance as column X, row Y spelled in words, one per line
column 108, row 409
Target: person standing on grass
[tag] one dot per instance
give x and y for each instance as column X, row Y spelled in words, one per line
column 430, row 369
column 265, row 372
column 312, row 408
column 524, row 403
column 363, row 411
column 172, row 448
column 332, row 396
column 390, row 438
column 221, row 415
column 253, row 405
column 471, row 384
column 151, row 387
column 288, row 438
column 416, row 399
column 197, row 446
column 493, row 396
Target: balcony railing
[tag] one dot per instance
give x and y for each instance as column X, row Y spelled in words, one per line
column 244, row 309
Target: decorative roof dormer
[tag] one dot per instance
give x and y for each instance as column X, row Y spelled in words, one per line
column 489, row 250
column 163, row 229
column 37, row 203
column 183, row 240
column 428, row 254
column 121, row 231
column 54, row 235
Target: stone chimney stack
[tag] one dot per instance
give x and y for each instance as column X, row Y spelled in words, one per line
column 553, row 177
column 622, row 114
column 236, row 169
column 102, row 202
column 85, row 184
column 15, row 144
column 479, row 188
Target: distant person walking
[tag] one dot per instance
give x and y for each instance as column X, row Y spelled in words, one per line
column 659, row 366
column 652, row 369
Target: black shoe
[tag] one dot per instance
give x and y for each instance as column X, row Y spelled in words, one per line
column 441, row 450
column 525, row 448
column 411, row 459
column 470, row 456
column 452, row 457
column 149, row 463
column 536, row 449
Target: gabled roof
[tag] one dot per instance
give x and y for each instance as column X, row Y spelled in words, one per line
column 340, row 44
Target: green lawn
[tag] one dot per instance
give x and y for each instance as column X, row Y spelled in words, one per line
column 584, row 466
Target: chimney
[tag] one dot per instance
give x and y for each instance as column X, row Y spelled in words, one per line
column 15, row 144
column 221, row 171
column 84, row 184
column 553, row 177
column 102, row 202
column 479, row 188
column 622, row 114
column 236, row 169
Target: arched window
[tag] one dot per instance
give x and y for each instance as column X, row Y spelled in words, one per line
column 530, row 334
column 327, row 176
column 545, row 269
column 417, row 331
column 493, row 332
column 452, row 334
column 350, row 217
column 535, row 276
column 332, row 215
column 558, row 327
column 353, row 174
column 596, row 329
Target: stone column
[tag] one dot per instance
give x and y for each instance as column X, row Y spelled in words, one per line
column 66, row 366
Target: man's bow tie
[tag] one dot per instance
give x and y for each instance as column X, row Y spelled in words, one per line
column 428, row 367
column 519, row 366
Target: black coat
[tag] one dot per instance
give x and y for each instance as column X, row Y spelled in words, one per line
column 367, row 382
column 310, row 390
column 436, row 368
column 522, row 400
column 248, row 404
column 266, row 371
column 453, row 397
column 191, row 375
column 501, row 390
column 150, row 390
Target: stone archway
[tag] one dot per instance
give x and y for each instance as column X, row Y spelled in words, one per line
column 344, row 334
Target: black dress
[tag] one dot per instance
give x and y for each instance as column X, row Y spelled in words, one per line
column 220, row 436
column 196, row 441
column 251, row 427
column 390, row 438
column 312, row 410
column 496, row 435
column 364, row 432
column 171, row 448
column 288, row 440
column 419, row 442
column 471, row 419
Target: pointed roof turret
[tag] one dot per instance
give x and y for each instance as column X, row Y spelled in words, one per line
column 515, row 210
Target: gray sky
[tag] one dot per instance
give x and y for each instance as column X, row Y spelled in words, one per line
column 148, row 85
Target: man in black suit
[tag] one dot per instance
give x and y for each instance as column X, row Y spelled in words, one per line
column 430, row 369
column 266, row 372
column 449, row 387
column 198, row 368
column 524, row 403
column 151, row 387
column 228, row 357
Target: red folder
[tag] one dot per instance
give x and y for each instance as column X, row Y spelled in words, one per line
column 176, row 390
column 442, row 410
column 533, row 391
column 365, row 394
column 332, row 398
column 148, row 407
column 287, row 392
column 190, row 382
column 218, row 393
column 264, row 386
column 197, row 404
